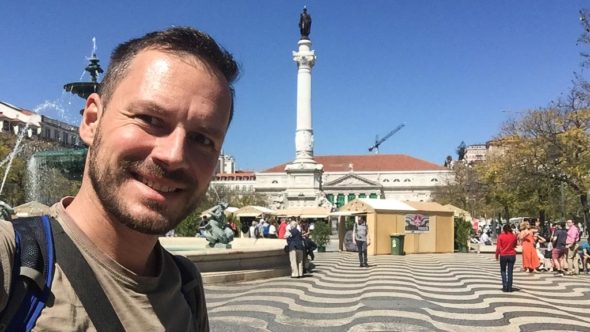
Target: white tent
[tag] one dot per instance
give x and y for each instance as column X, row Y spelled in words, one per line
column 252, row 211
column 304, row 212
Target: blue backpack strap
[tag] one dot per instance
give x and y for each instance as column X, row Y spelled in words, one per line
column 33, row 271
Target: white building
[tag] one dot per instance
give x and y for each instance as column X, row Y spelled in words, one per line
column 475, row 153
column 345, row 178
column 226, row 164
column 15, row 119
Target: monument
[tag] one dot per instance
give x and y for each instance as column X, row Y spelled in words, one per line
column 304, row 174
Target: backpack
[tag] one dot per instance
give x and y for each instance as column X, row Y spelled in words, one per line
column 32, row 276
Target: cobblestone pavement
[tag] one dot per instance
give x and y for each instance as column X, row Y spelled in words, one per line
column 429, row 292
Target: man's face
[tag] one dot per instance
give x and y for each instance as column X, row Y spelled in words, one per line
column 158, row 139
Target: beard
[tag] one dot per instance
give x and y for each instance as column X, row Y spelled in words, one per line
column 109, row 179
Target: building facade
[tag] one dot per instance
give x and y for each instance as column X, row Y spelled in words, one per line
column 14, row 120
column 345, row 178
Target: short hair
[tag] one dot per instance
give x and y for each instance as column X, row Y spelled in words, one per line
column 177, row 41
column 524, row 225
column 507, row 228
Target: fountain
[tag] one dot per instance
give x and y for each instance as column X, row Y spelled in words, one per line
column 85, row 89
column 63, row 164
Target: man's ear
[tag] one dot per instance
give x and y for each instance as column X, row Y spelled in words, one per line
column 90, row 119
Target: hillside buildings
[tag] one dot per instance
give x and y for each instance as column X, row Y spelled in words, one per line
column 14, row 120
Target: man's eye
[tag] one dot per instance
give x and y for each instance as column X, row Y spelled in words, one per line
column 201, row 139
column 152, row 121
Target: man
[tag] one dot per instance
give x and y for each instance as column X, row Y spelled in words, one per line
column 154, row 133
column 360, row 237
column 202, row 226
column 559, row 249
column 572, row 243
column 584, row 252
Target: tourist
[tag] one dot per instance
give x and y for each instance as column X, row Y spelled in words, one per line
column 559, row 241
column 295, row 244
column 485, row 239
column 282, row 229
column 584, row 252
column 571, row 244
column 203, row 226
column 272, row 229
column 506, row 252
column 253, row 233
column 360, row 237
column 154, row 132
column 530, row 259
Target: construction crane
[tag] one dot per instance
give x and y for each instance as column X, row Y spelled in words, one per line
column 379, row 141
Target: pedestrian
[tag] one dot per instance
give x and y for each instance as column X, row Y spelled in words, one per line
column 253, row 232
column 530, row 259
column 203, row 226
column 272, row 229
column 154, row 131
column 295, row 244
column 506, row 253
column 282, row 229
column 584, row 252
column 360, row 237
column 559, row 241
column 572, row 243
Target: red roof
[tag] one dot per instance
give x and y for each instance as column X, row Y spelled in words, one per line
column 369, row 163
column 235, row 175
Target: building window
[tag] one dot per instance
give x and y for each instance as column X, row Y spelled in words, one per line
column 385, row 180
column 395, row 180
column 362, row 195
column 275, row 181
column 407, row 180
column 373, row 195
column 434, row 180
column 351, row 197
column 330, row 198
column 340, row 200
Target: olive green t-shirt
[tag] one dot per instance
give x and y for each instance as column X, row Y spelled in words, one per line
column 141, row 303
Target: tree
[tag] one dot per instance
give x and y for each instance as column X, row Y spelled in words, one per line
column 461, row 150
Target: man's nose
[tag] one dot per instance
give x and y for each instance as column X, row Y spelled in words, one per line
column 170, row 149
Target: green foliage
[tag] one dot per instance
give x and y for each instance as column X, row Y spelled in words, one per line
column 349, row 223
column 463, row 232
column 190, row 225
column 321, row 233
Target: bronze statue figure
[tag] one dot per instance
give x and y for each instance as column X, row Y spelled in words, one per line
column 305, row 24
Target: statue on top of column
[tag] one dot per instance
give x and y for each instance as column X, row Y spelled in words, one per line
column 305, row 24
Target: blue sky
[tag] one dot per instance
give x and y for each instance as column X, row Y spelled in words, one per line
column 451, row 71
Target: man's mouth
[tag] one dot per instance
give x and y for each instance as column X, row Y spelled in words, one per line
column 156, row 186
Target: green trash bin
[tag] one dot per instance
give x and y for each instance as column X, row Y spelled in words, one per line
column 397, row 244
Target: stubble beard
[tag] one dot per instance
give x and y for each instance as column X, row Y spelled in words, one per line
column 107, row 182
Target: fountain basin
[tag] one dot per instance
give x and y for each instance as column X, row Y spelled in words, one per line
column 248, row 259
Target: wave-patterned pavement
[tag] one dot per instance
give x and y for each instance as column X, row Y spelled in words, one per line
column 428, row 292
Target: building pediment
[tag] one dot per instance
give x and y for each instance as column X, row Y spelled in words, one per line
column 352, row 181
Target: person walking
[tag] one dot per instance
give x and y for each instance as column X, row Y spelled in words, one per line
column 295, row 244
column 559, row 239
column 360, row 237
column 572, row 243
column 506, row 253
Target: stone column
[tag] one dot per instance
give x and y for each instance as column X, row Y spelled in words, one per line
column 305, row 59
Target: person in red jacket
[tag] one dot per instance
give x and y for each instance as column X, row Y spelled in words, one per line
column 506, row 251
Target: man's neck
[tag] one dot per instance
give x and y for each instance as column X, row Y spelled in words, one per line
column 131, row 249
